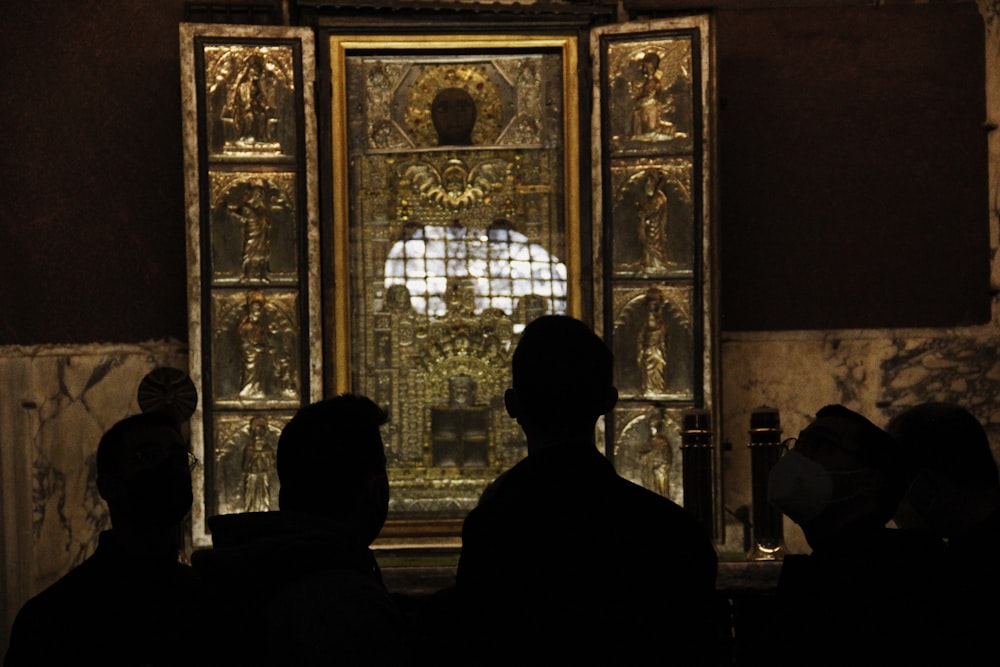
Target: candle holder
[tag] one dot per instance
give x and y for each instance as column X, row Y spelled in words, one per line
column 765, row 450
column 696, row 455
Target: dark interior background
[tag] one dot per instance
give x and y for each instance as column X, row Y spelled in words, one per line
column 852, row 170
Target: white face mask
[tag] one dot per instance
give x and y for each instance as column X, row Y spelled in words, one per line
column 801, row 488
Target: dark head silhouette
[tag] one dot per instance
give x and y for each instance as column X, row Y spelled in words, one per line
column 132, row 601
column 453, row 113
column 562, row 380
column 331, row 461
column 949, row 436
column 301, row 585
column 956, row 485
column 554, row 541
column 143, row 472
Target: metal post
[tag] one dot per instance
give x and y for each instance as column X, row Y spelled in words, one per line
column 696, row 454
column 765, row 450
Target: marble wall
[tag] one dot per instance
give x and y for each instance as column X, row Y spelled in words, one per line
column 55, row 403
column 875, row 372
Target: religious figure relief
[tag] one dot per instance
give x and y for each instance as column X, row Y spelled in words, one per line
column 268, row 370
column 251, row 101
column 653, row 219
column 254, row 215
column 651, row 104
column 400, row 307
column 251, row 108
column 397, row 300
column 659, row 452
column 258, row 467
column 245, row 468
column 254, row 228
column 452, row 106
column 460, row 297
column 644, row 452
column 653, row 343
column 650, row 97
column 652, row 210
column 453, row 113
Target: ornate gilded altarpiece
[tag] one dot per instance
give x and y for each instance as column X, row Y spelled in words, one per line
column 455, row 218
column 457, row 223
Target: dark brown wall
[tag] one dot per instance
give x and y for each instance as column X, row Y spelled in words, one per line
column 92, row 219
column 852, row 169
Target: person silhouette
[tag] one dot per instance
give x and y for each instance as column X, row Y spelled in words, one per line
column 563, row 557
column 301, row 585
column 453, row 113
column 866, row 593
column 133, row 602
column 955, row 496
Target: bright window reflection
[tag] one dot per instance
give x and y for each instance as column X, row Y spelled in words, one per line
column 502, row 264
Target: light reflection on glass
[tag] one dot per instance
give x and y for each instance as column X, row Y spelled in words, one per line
column 502, row 265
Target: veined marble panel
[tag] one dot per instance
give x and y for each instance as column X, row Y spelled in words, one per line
column 55, row 403
column 875, row 372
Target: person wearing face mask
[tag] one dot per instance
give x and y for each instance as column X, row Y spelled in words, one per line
column 866, row 593
column 133, row 602
column 955, row 496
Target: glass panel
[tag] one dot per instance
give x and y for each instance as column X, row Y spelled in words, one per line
column 459, row 197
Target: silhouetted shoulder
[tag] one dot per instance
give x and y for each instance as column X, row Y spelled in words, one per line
column 113, row 609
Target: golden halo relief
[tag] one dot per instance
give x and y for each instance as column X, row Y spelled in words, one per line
column 473, row 79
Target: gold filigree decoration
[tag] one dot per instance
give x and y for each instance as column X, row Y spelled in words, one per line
column 223, row 63
column 475, row 81
column 455, row 186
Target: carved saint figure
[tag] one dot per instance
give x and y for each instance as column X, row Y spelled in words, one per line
column 249, row 105
column 253, row 213
column 397, row 298
column 653, row 342
column 649, row 106
column 461, row 391
column 258, row 463
column 658, row 452
column 643, row 453
column 267, row 366
column 652, row 207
